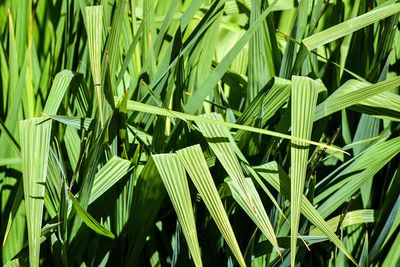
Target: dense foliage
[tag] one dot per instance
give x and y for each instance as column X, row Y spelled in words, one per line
column 206, row 133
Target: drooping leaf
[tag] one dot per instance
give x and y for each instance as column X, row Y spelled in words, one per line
column 88, row 219
column 351, row 93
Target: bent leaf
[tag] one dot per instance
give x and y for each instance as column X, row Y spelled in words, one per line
column 88, row 219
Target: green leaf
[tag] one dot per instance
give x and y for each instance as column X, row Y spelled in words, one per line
column 243, row 189
column 94, row 29
column 304, row 100
column 62, row 82
column 277, row 178
column 137, row 106
column 195, row 164
column 75, row 122
column 358, row 172
column 347, row 27
column 195, row 102
column 268, row 101
column 148, row 197
column 174, row 178
column 353, row 217
column 385, row 105
column 109, row 174
column 89, row 220
column 35, row 145
column 351, row 93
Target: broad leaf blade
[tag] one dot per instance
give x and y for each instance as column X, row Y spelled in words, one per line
column 35, row 145
column 94, row 29
column 351, row 93
column 304, row 100
column 195, row 164
column 61, row 84
column 109, row 174
column 174, row 178
column 347, row 27
column 245, row 193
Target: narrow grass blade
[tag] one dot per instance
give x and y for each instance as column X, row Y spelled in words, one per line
column 35, row 145
column 304, row 100
column 261, row 65
column 205, row 88
column 109, row 174
column 195, row 164
column 267, row 102
column 88, row 219
column 174, row 178
column 112, row 46
column 277, row 178
column 75, row 122
column 137, row 106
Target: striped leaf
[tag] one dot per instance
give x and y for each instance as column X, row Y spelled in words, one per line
column 94, row 29
column 195, row 164
column 242, row 188
column 174, row 178
column 35, row 145
column 304, row 100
